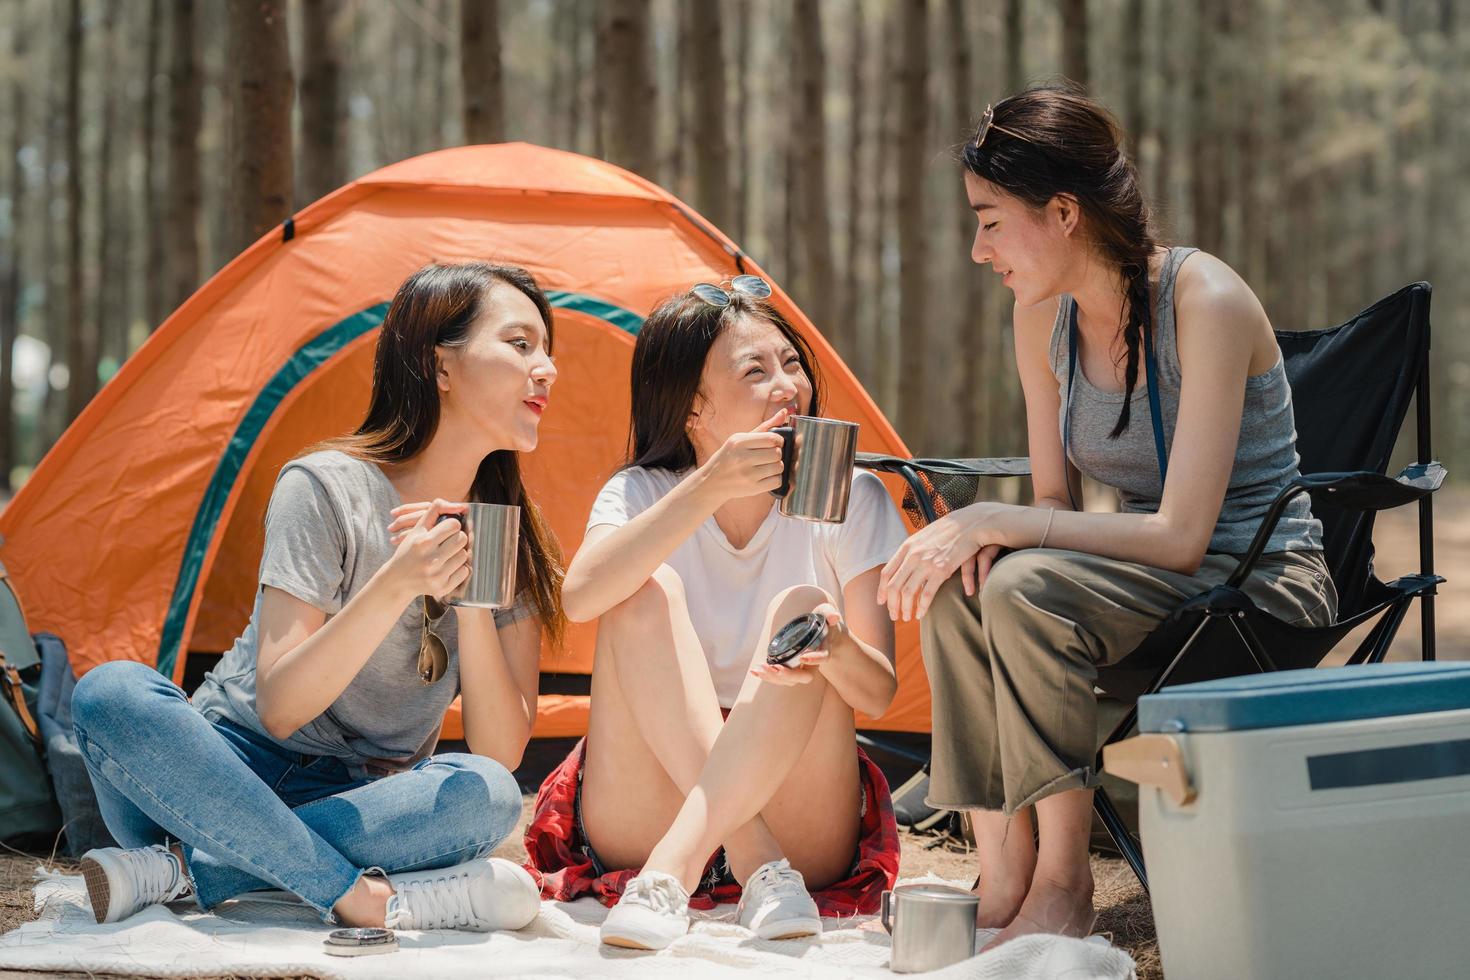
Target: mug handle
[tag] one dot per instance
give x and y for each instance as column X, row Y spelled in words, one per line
column 885, row 912
column 788, row 456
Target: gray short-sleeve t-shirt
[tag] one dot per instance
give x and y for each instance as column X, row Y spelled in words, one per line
column 326, row 534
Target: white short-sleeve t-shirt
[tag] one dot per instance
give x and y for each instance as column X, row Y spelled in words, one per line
column 728, row 589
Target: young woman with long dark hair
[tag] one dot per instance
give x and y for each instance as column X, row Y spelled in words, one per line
column 1107, row 320
column 689, row 568
column 304, row 762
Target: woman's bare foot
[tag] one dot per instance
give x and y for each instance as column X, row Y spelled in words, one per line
column 1054, row 907
column 1002, row 889
column 1007, row 863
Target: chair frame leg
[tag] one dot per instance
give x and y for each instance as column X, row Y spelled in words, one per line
column 1118, row 830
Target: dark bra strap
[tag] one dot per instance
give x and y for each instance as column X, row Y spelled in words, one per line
column 1150, row 369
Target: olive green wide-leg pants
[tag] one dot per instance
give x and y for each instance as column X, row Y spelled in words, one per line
column 1013, row 670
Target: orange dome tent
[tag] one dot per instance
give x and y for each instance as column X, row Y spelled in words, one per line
column 138, row 536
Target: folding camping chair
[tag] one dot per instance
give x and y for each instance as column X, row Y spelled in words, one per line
column 1351, row 387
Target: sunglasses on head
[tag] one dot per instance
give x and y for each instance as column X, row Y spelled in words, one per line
column 987, row 123
column 433, row 654
column 753, row 286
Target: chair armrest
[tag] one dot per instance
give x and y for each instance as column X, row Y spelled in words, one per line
column 1361, row 490
column 997, row 466
column 924, row 477
column 1366, row 490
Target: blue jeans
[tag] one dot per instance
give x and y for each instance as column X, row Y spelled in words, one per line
column 252, row 815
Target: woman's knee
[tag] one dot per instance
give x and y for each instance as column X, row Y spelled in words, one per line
column 654, row 598
column 796, row 601
column 1014, row 584
column 479, row 796
column 115, row 692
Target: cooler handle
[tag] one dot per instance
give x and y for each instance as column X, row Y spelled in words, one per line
column 1152, row 760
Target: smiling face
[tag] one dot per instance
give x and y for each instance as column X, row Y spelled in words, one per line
column 498, row 382
column 1034, row 251
column 752, row 372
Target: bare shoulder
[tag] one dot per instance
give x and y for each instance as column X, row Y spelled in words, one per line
column 1218, row 312
column 1207, row 286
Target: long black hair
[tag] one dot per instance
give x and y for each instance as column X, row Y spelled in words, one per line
column 435, row 308
column 668, row 363
column 1054, row 140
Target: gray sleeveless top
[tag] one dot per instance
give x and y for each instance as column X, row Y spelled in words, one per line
column 1265, row 457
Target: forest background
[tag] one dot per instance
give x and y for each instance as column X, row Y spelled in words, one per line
column 1318, row 146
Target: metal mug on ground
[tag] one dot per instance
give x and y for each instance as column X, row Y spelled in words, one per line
column 932, row 926
column 818, row 455
column 360, row 942
column 494, row 531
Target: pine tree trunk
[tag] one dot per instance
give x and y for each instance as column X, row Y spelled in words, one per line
column 626, row 59
column 1015, row 46
column 1206, row 172
column 914, row 393
column 81, row 348
column 186, row 109
column 1164, row 116
column 106, row 309
column 708, row 137
column 1074, row 41
column 155, row 277
column 323, row 102
column 10, row 284
column 741, row 114
column 1133, row 69
column 971, row 348
column 480, row 72
column 858, row 176
column 810, row 210
column 1250, row 132
column 260, row 56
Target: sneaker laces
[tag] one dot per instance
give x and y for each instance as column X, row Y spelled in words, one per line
column 778, row 880
column 157, row 876
column 660, row 892
column 437, row 903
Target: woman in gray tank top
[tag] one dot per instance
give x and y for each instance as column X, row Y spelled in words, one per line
column 305, row 762
column 1153, row 370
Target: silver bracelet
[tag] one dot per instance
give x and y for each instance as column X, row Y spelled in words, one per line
column 1050, row 516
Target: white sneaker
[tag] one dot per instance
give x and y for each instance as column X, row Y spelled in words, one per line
column 123, row 881
column 775, row 903
column 653, row 912
column 478, row 896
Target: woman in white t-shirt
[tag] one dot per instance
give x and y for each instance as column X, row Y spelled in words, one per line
column 689, row 569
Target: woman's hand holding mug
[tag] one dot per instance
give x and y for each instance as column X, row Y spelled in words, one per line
column 432, row 556
column 748, row 463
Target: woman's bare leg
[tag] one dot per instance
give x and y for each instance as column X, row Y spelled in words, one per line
column 753, row 760
column 1007, row 851
column 1060, row 897
column 655, row 717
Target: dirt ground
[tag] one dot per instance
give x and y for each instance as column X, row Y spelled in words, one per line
column 1124, row 911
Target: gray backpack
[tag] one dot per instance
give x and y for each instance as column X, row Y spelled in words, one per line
column 28, row 811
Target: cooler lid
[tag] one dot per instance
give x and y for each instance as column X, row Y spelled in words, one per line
column 1307, row 697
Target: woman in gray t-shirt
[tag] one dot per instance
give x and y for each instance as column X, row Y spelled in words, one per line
column 305, row 761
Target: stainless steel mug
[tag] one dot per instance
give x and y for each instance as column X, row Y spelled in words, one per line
column 495, row 534
column 818, row 456
column 932, row 926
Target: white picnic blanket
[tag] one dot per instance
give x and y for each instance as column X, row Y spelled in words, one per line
column 271, row 938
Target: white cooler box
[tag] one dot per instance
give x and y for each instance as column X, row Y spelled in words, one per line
column 1308, row 823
